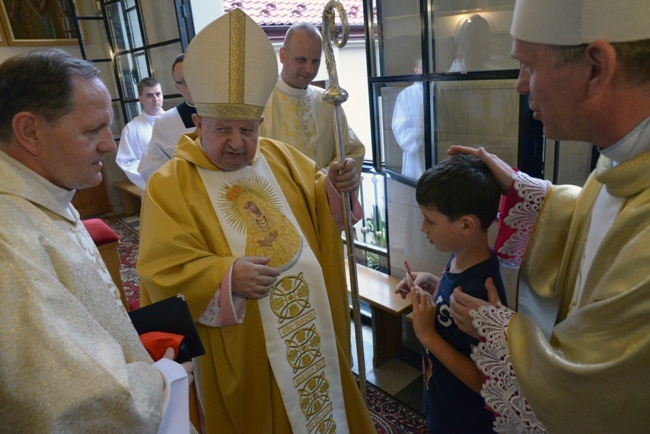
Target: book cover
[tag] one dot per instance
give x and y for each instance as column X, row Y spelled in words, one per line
column 171, row 315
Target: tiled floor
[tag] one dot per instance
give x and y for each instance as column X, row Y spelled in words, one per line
column 133, row 221
column 399, row 377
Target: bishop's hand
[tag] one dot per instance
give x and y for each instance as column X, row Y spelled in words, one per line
column 252, row 277
column 344, row 176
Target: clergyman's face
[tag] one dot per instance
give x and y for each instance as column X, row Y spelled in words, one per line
column 555, row 93
column 75, row 144
column 229, row 144
column 181, row 85
column 301, row 59
column 151, row 100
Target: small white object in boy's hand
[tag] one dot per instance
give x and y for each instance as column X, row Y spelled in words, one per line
column 419, row 291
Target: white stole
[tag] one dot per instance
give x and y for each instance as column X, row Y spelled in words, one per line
column 297, row 321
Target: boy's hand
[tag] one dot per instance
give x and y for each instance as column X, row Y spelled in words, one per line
column 425, row 281
column 402, row 288
column 424, row 314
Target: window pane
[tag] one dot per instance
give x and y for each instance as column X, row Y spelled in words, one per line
column 118, row 119
column 370, row 232
column 400, row 126
column 162, row 58
column 397, row 38
column 124, row 25
column 133, row 68
column 472, row 35
column 108, row 77
column 132, row 109
column 478, row 113
column 573, row 162
column 159, row 20
column 405, row 143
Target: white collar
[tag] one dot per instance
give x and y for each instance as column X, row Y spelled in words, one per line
column 292, row 91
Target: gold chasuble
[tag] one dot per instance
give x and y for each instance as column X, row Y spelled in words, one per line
column 299, row 334
column 286, row 367
column 601, row 346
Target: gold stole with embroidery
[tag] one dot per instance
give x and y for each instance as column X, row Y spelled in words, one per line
column 300, row 340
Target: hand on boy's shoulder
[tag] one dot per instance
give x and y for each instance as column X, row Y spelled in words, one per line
column 462, row 303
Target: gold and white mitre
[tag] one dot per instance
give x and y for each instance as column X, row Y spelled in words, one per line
column 230, row 68
column 576, row 22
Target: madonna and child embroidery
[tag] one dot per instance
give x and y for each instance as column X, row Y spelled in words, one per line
column 298, row 329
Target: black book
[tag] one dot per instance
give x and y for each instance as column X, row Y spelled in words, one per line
column 171, row 315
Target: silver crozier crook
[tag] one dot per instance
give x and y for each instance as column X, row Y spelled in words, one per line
column 335, row 96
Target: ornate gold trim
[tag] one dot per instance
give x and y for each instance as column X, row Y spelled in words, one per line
column 229, row 111
column 237, row 56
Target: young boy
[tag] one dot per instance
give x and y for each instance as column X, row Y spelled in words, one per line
column 459, row 199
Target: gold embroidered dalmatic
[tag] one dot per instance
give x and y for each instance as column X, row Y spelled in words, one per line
column 302, row 119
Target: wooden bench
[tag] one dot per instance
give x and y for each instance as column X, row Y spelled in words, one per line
column 378, row 290
column 131, row 196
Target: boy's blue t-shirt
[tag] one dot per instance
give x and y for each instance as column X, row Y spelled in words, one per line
column 449, row 405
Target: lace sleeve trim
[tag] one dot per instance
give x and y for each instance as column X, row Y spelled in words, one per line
column 224, row 308
column 523, row 204
column 212, row 317
column 500, row 389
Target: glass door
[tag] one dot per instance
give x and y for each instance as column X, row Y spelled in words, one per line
column 440, row 75
column 133, row 39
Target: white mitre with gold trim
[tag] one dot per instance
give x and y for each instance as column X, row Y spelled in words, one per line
column 230, row 68
column 576, row 22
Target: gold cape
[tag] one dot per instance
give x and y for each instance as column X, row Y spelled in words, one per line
column 183, row 249
column 594, row 375
column 70, row 359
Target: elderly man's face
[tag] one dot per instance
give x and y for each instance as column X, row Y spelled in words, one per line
column 229, row 144
column 75, row 144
